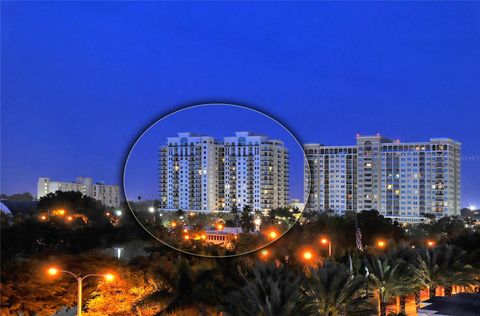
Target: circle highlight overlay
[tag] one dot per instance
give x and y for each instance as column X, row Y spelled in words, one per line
column 216, row 180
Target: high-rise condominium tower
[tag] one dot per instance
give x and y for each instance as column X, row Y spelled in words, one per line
column 256, row 172
column 403, row 181
column 190, row 170
column 199, row 173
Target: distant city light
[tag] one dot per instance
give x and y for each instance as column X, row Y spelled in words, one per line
column 151, row 209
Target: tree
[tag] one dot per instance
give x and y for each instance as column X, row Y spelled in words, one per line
column 74, row 203
column 386, row 281
column 246, row 219
column 282, row 213
column 234, row 211
column 122, row 295
column 187, row 287
column 269, row 291
column 179, row 212
column 26, row 196
column 406, row 258
column 332, row 290
column 444, row 266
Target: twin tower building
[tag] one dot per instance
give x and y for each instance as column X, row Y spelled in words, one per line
column 403, row 181
column 203, row 174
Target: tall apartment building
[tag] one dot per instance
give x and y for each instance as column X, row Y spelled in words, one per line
column 403, row 181
column 256, row 172
column 190, row 173
column 199, row 173
column 109, row 195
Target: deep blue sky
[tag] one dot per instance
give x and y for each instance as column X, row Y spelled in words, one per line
column 80, row 80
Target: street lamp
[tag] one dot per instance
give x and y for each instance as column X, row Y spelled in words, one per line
column 264, row 253
column 307, row 255
column 54, row 271
column 325, row 241
column 273, row 234
column 151, row 209
column 381, row 244
column 431, row 243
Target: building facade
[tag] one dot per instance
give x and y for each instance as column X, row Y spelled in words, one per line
column 190, row 173
column 199, row 173
column 403, row 181
column 256, row 172
column 109, row 195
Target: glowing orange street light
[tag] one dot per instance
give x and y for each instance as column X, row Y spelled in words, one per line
column 186, row 237
column 204, row 236
column 54, row 271
column 220, row 227
column 307, row 255
column 430, row 243
column 109, row 277
column 61, row 212
column 173, row 224
column 273, row 234
column 70, row 218
column 43, row 218
column 264, row 253
column 381, row 243
column 325, row 241
column 185, row 230
column 108, row 213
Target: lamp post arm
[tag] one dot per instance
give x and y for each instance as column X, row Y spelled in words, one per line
column 93, row 274
column 71, row 273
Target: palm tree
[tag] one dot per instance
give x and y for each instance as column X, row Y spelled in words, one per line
column 428, row 272
column 462, row 274
column 407, row 259
column 246, row 219
column 332, row 290
column 270, row 291
column 444, row 266
column 386, row 281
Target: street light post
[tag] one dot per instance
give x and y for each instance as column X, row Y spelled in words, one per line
column 325, row 241
column 54, row 271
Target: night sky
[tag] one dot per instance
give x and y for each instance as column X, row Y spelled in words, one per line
column 80, row 81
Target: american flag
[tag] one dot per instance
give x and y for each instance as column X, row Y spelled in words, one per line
column 358, row 239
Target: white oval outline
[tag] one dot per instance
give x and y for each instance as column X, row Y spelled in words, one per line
column 205, row 105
